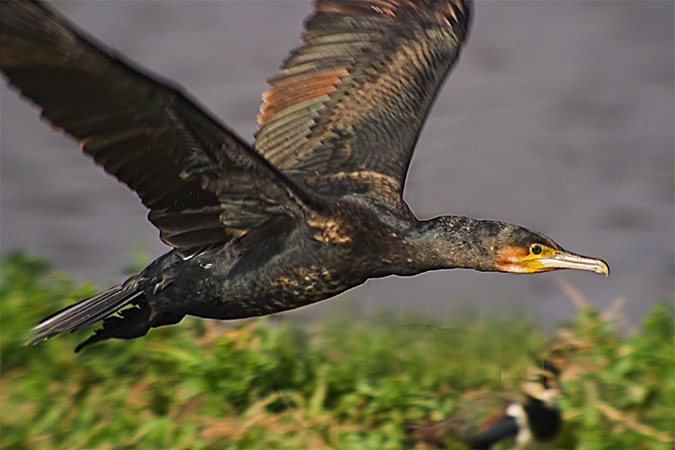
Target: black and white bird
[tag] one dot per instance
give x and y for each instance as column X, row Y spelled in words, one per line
column 529, row 416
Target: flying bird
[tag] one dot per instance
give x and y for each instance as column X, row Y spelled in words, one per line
column 313, row 208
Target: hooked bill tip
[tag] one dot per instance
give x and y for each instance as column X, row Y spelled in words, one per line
column 568, row 260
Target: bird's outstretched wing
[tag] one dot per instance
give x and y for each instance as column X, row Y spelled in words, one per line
column 344, row 113
column 202, row 184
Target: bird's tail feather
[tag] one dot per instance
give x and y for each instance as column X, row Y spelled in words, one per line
column 84, row 313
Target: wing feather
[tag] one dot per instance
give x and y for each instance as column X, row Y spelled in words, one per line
column 344, row 113
column 201, row 183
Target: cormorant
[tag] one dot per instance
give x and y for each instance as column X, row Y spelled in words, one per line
column 314, row 208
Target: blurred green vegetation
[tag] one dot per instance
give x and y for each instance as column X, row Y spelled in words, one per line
column 339, row 384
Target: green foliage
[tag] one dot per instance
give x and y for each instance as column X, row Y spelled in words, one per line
column 621, row 389
column 340, row 384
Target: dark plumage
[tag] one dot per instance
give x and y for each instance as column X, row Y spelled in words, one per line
column 313, row 209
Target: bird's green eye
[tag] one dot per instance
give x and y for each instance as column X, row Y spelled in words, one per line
column 536, row 249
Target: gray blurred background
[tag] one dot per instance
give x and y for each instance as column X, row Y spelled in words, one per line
column 559, row 116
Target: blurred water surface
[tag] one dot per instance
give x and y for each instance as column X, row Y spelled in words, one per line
column 559, row 116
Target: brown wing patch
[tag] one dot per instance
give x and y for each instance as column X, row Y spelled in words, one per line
column 356, row 7
column 375, row 184
column 344, row 113
column 330, row 230
column 288, row 92
column 445, row 15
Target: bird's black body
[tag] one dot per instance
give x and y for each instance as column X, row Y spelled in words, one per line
column 282, row 269
column 313, row 209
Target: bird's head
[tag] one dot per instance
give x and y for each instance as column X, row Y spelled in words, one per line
column 518, row 249
column 492, row 246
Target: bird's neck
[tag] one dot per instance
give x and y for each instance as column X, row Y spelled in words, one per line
column 449, row 242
